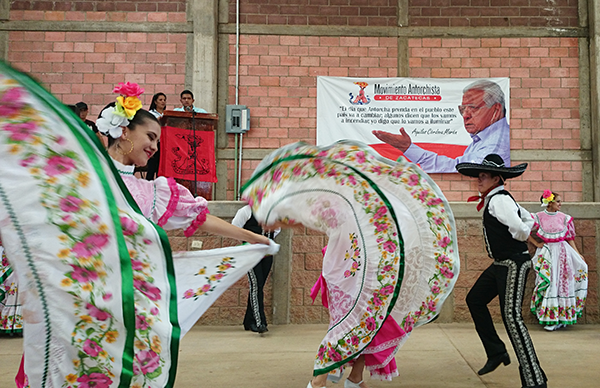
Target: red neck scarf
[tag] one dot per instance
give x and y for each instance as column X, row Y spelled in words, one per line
column 480, row 198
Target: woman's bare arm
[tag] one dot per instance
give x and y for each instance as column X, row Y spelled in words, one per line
column 215, row 225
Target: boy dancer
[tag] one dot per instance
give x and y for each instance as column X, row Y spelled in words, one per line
column 506, row 227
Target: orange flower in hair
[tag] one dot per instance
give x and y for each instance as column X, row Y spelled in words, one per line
column 127, row 106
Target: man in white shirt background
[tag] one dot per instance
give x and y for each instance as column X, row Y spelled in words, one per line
column 255, row 319
column 484, row 117
column 187, row 103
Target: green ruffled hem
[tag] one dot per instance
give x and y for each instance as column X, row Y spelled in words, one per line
column 11, row 331
column 559, row 322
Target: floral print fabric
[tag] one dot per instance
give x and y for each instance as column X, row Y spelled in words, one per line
column 561, row 274
column 11, row 318
column 94, row 273
column 101, row 302
column 392, row 244
column 202, row 276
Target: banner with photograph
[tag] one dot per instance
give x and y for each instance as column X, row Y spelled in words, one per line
column 444, row 121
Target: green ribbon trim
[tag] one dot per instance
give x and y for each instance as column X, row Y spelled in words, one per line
column 12, row 331
column 84, row 136
column 387, row 203
column 5, row 275
column 540, row 290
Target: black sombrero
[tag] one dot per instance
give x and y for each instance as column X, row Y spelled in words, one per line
column 491, row 163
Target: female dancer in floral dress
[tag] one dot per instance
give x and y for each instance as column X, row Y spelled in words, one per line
column 105, row 300
column 11, row 320
column 391, row 257
column 562, row 273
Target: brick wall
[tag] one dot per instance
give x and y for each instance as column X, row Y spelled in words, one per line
column 307, row 262
column 317, row 12
column 100, row 11
column 100, row 5
column 84, row 66
column 493, row 13
column 278, row 83
column 424, row 13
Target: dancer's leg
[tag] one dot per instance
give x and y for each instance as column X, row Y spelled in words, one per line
column 483, row 292
column 356, row 374
column 512, row 288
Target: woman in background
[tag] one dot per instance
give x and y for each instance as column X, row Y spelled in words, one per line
column 561, row 281
column 158, row 105
column 157, row 108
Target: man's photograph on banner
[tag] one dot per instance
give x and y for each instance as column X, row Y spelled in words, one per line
column 434, row 122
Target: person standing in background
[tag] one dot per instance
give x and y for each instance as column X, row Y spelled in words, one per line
column 83, row 113
column 562, row 273
column 157, row 108
column 158, row 104
column 187, row 103
column 255, row 319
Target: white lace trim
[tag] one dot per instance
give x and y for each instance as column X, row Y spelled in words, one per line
column 123, row 169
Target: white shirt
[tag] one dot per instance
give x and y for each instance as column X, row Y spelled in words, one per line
column 505, row 210
column 156, row 113
column 197, row 110
column 494, row 139
column 243, row 215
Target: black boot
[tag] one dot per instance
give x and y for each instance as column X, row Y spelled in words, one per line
column 494, row 362
column 257, row 329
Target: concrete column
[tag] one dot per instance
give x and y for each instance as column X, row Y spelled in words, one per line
column 403, row 69
column 587, row 176
column 585, row 133
column 222, row 138
column 202, row 55
column 4, row 16
column 594, row 55
column 4, row 9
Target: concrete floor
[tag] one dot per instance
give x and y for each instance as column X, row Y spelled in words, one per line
column 436, row 355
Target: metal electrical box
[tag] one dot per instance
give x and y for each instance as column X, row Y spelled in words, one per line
column 237, row 119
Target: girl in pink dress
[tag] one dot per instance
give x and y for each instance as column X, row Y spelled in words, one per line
column 562, row 274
